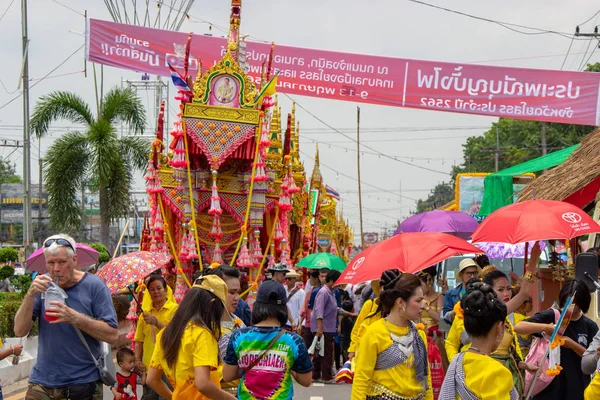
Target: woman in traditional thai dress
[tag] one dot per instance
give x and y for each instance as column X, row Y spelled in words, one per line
column 391, row 362
column 474, row 374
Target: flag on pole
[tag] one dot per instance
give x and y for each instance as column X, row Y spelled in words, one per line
column 268, row 90
column 331, row 192
column 179, row 81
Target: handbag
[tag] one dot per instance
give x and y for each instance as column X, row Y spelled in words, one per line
column 537, row 351
column 264, row 352
column 104, row 363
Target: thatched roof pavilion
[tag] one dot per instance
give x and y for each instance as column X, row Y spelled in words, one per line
column 576, row 181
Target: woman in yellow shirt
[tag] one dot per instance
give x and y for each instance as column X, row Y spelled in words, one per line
column 392, row 358
column 371, row 310
column 158, row 309
column 187, row 349
column 474, row 374
column 509, row 350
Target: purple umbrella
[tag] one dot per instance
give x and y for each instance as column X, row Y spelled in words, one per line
column 453, row 222
column 86, row 256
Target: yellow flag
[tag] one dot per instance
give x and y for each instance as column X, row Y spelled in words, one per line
column 268, row 90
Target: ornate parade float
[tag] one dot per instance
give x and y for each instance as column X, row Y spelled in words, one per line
column 229, row 187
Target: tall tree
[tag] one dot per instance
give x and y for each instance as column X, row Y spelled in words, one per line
column 8, row 173
column 96, row 154
column 441, row 194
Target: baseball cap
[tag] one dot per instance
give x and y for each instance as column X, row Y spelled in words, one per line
column 213, row 284
column 271, row 292
column 466, row 263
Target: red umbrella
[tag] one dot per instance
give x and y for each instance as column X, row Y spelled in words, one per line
column 131, row 268
column 535, row 220
column 409, row 252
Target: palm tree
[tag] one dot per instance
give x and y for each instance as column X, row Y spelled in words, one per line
column 95, row 154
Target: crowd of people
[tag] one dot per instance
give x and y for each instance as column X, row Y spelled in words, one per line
column 212, row 346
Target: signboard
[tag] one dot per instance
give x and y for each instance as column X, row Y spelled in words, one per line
column 11, row 199
column 370, row 238
column 531, row 94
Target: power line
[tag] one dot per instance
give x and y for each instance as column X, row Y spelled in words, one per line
column 354, row 179
column 591, row 54
column 568, row 51
column 506, row 25
column 6, row 11
column 44, row 77
column 368, row 147
column 590, row 18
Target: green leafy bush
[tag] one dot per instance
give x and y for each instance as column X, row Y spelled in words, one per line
column 104, row 256
column 8, row 254
column 21, row 283
column 6, row 272
column 9, row 305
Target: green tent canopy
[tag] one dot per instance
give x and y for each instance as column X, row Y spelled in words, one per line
column 498, row 187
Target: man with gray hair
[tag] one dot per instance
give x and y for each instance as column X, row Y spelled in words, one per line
column 64, row 367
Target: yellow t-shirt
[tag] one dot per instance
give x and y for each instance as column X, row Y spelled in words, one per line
column 592, row 392
column 453, row 344
column 486, row 377
column 198, row 349
column 521, row 317
column 362, row 322
column 401, row 379
column 143, row 332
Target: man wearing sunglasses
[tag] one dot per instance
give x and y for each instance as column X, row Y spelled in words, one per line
column 64, row 367
column 467, row 270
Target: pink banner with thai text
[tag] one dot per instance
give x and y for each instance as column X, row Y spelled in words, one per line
column 541, row 95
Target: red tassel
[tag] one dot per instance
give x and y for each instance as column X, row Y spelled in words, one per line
column 218, row 254
column 243, row 260
column 215, row 202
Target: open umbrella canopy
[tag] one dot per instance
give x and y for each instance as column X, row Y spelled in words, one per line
column 86, row 256
column 409, row 252
column 322, row 260
column 131, row 268
column 535, row 220
column 453, row 222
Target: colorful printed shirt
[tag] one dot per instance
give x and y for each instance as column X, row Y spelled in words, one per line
column 271, row 378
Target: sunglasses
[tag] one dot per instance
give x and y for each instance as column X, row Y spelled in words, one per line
column 60, row 242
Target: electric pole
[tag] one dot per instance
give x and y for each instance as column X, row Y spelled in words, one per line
column 362, row 236
column 544, row 148
column 27, row 226
column 497, row 152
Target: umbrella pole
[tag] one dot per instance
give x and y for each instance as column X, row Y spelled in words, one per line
column 121, row 239
column 134, row 298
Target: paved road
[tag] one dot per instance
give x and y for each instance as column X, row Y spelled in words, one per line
column 314, row 392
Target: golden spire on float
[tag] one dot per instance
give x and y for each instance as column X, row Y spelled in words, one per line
column 317, row 179
column 234, row 27
column 275, row 150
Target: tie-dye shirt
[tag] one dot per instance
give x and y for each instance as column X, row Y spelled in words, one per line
column 271, row 378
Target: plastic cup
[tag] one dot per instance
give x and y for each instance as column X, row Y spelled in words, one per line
column 54, row 293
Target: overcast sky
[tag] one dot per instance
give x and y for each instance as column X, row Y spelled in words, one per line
column 384, row 27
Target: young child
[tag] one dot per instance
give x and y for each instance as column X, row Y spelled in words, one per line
column 346, row 325
column 127, row 380
column 13, row 350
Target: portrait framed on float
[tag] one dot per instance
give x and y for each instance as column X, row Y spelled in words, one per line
column 225, row 91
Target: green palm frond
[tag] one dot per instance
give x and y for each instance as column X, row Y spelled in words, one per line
column 136, row 149
column 118, row 190
column 59, row 105
column 123, row 105
column 104, row 151
column 67, row 165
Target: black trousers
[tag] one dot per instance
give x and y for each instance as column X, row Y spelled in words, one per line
column 323, row 366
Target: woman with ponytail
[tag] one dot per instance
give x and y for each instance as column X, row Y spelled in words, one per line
column 187, row 350
column 371, row 310
column 392, row 358
column 509, row 350
column 474, row 374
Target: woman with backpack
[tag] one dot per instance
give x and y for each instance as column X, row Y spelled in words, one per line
column 265, row 357
column 571, row 382
column 474, row 374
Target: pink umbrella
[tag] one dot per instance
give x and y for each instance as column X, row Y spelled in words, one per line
column 86, row 256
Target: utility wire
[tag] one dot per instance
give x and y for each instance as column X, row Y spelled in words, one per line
column 368, row 147
column 506, row 25
column 5, row 11
column 568, row 51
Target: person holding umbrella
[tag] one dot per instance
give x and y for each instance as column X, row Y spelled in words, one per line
column 153, row 321
column 473, row 374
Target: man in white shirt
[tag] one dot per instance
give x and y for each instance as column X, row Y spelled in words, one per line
column 295, row 295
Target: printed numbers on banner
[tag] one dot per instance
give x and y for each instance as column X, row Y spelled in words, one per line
column 438, row 103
